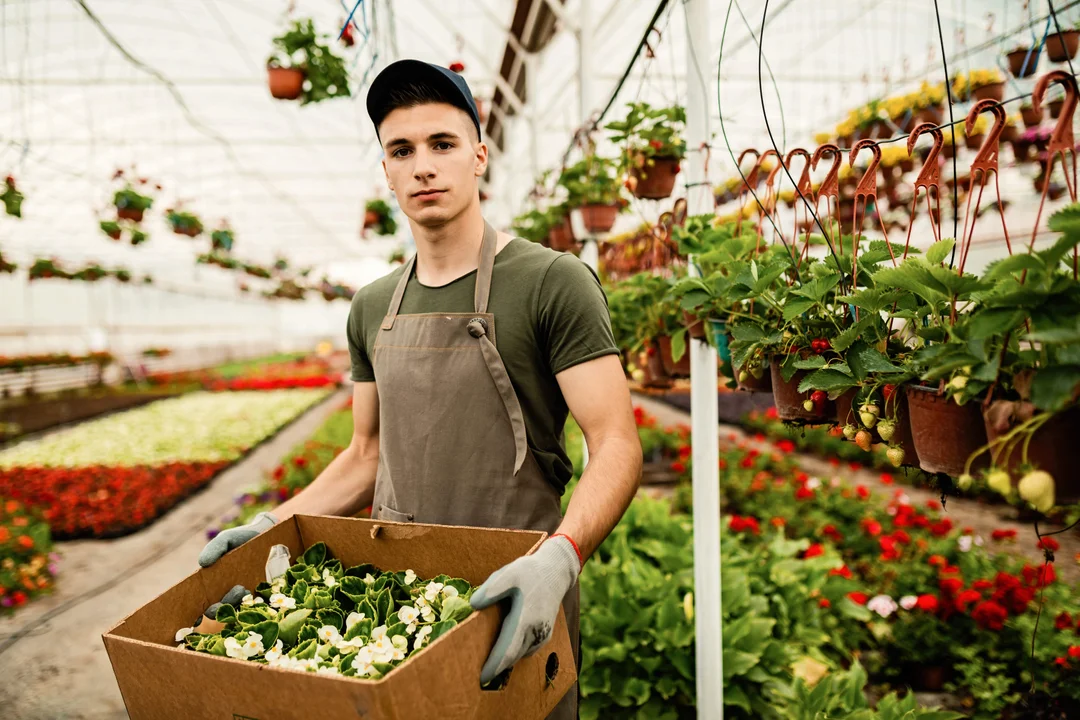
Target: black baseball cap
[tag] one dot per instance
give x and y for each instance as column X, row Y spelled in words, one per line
column 447, row 82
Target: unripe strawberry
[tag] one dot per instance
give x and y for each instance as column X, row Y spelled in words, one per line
column 886, row 429
column 1037, row 487
column 964, row 482
column 868, row 419
column 808, row 406
column 958, row 383
column 849, row 431
column 757, row 371
column 870, row 408
column 999, row 481
column 743, row 376
column 863, row 439
column 895, row 455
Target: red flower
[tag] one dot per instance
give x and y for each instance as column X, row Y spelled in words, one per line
column 966, row 598
column 858, row 598
column 804, row 493
column 778, row 522
column 1064, row 662
column 888, row 549
column 872, row 527
column 25, row 541
column 300, row 462
column 814, row 551
column 989, row 615
column 862, row 492
column 902, row 537
column 950, row 586
column 933, row 505
column 18, row 597
column 927, row 603
column 842, row 571
column 936, row 560
column 678, row 467
column 886, row 479
column 747, row 462
column 824, row 602
column 1074, row 652
column 1039, row 576
column 684, row 452
column 639, row 416
column 771, row 413
column 1048, row 543
column 853, row 466
column 982, row 585
column 744, row 524
column 801, row 477
column 785, row 446
column 279, row 472
column 832, row 533
column 1063, row 621
column 283, row 494
column 1002, row 535
column 942, row 528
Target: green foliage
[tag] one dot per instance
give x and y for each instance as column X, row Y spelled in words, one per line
column 593, row 180
column 129, row 198
column 650, row 132
column 385, row 223
column 325, row 74
column 12, row 198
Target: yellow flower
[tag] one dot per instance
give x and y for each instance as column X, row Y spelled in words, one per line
column 822, row 137
column 893, row 154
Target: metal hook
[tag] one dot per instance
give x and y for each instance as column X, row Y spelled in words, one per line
column 987, row 157
column 930, row 173
column 1061, row 138
column 803, row 187
column 830, row 186
column 867, row 187
column 751, row 177
column 679, row 212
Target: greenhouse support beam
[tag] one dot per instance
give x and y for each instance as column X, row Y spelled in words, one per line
column 703, row 371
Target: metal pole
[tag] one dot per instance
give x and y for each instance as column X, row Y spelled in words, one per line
column 703, row 369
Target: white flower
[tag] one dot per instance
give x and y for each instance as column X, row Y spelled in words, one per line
column 421, row 637
column 274, row 654
column 279, row 601
column 883, row 605
column 384, row 657
column 904, row 499
column 183, row 633
column 397, row 654
column 362, row 670
column 410, row 577
column 979, row 540
column 328, row 578
column 909, row 601
column 354, row 617
column 449, row 591
column 328, row 670
column 427, row 613
column 329, row 634
column 250, row 647
column 813, row 483
column 408, row 614
column 278, row 585
column 363, row 656
column 378, row 632
column 431, row 592
column 253, row 645
column 369, row 579
column 410, row 628
column 250, row 600
column 382, row 644
column 965, row 542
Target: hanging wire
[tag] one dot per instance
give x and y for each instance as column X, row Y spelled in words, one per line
column 952, row 130
column 1057, row 25
column 727, row 145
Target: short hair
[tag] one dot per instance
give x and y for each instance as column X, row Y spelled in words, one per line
column 414, row 94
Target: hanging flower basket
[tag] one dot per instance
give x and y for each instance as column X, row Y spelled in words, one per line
column 599, row 218
column 561, row 236
column 992, row 91
column 378, row 216
column 653, row 368
column 184, row 223
column 131, row 204
column 1022, row 62
column 111, row 228
column 1031, row 116
column 11, row 198
column 221, row 240
column 675, row 368
column 286, row 83
column 973, row 142
column 655, row 178
column 1062, row 47
column 790, row 403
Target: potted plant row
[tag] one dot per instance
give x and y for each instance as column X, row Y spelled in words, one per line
column 592, row 187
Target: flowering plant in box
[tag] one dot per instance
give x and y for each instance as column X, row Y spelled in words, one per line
column 27, row 567
column 321, row 617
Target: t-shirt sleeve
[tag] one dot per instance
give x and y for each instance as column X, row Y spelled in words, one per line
column 362, row 371
column 573, row 319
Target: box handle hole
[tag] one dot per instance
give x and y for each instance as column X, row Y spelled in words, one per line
column 551, row 669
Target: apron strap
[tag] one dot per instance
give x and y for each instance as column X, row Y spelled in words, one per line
column 484, row 270
column 399, row 293
column 494, row 363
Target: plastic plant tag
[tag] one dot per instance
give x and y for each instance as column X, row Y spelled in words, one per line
column 277, row 563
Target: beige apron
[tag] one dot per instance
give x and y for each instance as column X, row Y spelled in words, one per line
column 452, row 444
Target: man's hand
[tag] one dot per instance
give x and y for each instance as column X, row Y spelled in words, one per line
column 232, row 538
column 536, row 585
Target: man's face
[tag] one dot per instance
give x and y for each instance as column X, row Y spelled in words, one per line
column 432, row 161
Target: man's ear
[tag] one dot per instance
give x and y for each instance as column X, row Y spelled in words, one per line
column 481, row 159
column 387, row 174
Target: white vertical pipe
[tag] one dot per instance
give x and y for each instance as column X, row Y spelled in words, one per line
column 703, row 369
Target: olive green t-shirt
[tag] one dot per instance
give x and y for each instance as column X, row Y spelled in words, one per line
column 550, row 314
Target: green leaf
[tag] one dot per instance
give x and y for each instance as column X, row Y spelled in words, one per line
column 939, row 251
column 269, row 632
column 1005, row 267
column 289, row 626
column 678, row 344
column 795, row 308
column 994, row 322
column 737, row 662
column 226, row 614
column 854, row 610
column 845, row 339
column 865, row 360
column 441, row 628
column 455, row 608
column 1053, row 388
column 305, row 650
column 814, row 362
column 315, row 555
column 382, row 606
column 828, row 380
column 746, row 332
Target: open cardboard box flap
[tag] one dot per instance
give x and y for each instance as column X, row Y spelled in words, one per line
column 159, row 680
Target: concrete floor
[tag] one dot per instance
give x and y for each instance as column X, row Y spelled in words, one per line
column 53, row 664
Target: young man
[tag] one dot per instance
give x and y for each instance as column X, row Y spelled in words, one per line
column 465, row 363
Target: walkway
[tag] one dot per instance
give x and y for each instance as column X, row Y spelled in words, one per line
column 52, row 659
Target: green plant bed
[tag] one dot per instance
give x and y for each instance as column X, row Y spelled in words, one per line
column 231, row 370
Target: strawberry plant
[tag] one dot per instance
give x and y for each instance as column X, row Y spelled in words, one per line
column 325, row 74
column 11, row 198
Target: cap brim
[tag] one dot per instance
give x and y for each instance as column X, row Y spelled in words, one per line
column 397, row 73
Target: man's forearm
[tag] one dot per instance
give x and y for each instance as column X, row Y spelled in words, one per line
column 344, row 488
column 604, row 492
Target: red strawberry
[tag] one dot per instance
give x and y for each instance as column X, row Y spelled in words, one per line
column 863, row 439
column 888, row 391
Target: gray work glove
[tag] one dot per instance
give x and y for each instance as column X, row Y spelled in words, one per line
column 233, row 538
column 536, row 585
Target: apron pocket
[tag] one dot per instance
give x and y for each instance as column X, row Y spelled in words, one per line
column 388, row 513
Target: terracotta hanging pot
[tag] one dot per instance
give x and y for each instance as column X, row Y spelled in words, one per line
column 561, row 236
column 133, row 214
column 1050, row 449
column 973, row 142
column 656, row 179
column 285, row 83
column 599, row 218
column 1055, row 107
column 753, row 384
column 1017, row 60
column 789, row 401
column 933, row 114
column 993, row 91
column 653, row 367
column 1021, row 150
column 371, row 218
column 1009, row 133
column 680, row 369
column 948, row 150
column 945, row 434
column 1031, row 116
column 695, row 326
column 907, row 165
column 1062, row 47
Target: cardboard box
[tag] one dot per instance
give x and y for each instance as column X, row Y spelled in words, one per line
column 442, row 680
